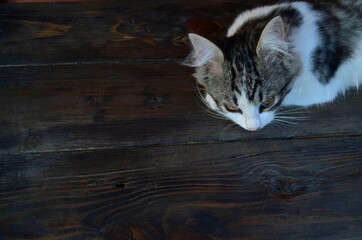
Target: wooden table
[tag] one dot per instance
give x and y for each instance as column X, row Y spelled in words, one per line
column 102, row 135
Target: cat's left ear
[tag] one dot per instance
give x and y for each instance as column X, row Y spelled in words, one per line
column 273, row 38
column 205, row 53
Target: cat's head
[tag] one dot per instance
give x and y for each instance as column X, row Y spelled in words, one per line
column 246, row 76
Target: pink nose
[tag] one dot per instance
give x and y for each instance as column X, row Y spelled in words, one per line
column 253, row 129
column 253, row 124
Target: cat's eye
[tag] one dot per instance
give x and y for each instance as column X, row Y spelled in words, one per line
column 267, row 104
column 232, row 108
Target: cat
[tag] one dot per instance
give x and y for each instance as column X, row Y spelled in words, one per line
column 288, row 54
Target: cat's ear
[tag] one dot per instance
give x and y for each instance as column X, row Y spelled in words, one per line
column 205, row 53
column 273, row 38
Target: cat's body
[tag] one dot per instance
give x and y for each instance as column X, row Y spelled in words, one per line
column 293, row 54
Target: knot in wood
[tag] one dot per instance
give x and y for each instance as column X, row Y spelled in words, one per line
column 286, row 188
column 154, row 101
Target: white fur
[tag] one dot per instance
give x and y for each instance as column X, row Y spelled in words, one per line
column 307, row 89
column 254, row 13
column 210, row 101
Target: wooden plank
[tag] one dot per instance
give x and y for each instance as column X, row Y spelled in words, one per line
column 271, row 189
column 48, row 33
column 110, row 106
column 59, row 107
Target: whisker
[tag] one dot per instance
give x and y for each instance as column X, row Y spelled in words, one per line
column 294, row 109
column 290, row 113
column 228, row 126
column 291, row 117
column 212, row 113
column 289, row 122
column 201, row 95
column 215, row 116
column 276, row 124
column 198, row 88
column 295, row 113
column 208, row 111
column 285, row 121
column 272, row 125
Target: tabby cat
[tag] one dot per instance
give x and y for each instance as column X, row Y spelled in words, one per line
column 290, row 54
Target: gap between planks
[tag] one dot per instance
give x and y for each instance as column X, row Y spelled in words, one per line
column 181, row 144
column 111, row 62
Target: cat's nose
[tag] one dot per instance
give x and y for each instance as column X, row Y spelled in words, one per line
column 253, row 124
column 253, row 129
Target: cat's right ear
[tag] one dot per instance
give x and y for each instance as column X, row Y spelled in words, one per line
column 205, row 53
column 273, row 38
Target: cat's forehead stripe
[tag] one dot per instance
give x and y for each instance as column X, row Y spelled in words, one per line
column 261, row 98
column 235, row 99
column 233, row 78
column 253, row 90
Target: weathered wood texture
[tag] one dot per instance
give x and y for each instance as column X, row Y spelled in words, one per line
column 272, row 189
column 109, row 30
column 105, row 106
column 102, row 135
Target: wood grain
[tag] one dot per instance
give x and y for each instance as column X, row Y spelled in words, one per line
column 295, row 189
column 106, row 106
column 110, row 31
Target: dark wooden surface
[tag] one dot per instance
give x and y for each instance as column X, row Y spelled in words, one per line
column 102, row 135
